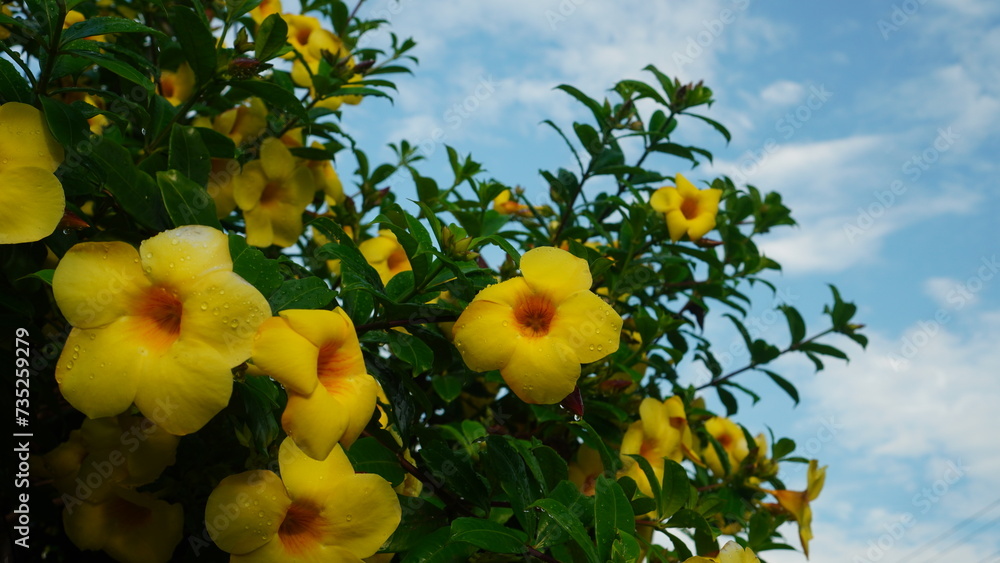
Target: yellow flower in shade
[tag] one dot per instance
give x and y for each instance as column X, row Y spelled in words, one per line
column 661, row 432
column 307, row 36
column 32, row 201
column 585, row 469
column 688, row 209
column 797, row 502
column 266, row 8
column 316, row 355
column 4, row 30
column 504, row 204
column 220, row 185
column 539, row 328
column 323, row 173
column 108, row 453
column 732, row 552
column 177, row 85
column 318, row 41
column 131, row 527
column 386, row 255
column 162, row 327
column 316, row 511
column 273, row 192
column 243, row 123
column 732, row 439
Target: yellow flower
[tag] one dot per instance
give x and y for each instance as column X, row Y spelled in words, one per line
column 177, row 85
column 386, row 255
column 688, row 209
column 797, row 502
column 220, row 185
column 316, row 42
column 273, row 192
column 316, row 511
column 661, row 432
column 106, row 453
column 730, row 553
column 266, row 8
column 323, row 173
column 74, row 17
column 505, row 205
column 307, row 36
column 316, row 355
column 539, row 328
column 4, row 30
column 730, row 436
column 585, row 469
column 161, row 327
column 131, row 527
column 32, row 201
column 243, row 123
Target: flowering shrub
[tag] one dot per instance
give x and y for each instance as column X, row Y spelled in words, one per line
column 248, row 342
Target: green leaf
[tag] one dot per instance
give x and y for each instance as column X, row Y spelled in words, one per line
column 411, row 350
column 824, row 349
column 488, row 535
column 612, row 512
column 237, row 8
column 589, row 138
column 13, row 86
column 420, row 519
column 187, row 203
column 596, row 108
column 271, row 37
column 796, row 326
column 675, row 488
column 508, row 467
column 188, row 154
column 217, row 144
column 437, row 549
column 343, row 248
column 367, row 455
column 593, row 439
column 306, row 293
column 715, row 124
column 132, row 188
column 197, row 42
column 103, row 26
column 687, row 518
column 116, row 66
column 570, row 524
column 66, row 123
column 626, row 549
column 250, row 264
column 785, row 385
column 44, row 275
column 448, row 387
column 654, row 482
column 462, row 478
column 275, row 95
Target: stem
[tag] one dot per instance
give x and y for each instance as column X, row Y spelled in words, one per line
column 360, row 329
column 539, row 555
column 354, row 12
column 423, row 284
column 752, row 365
column 181, row 111
column 52, row 50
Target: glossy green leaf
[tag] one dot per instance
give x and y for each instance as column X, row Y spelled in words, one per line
column 186, row 202
column 488, row 535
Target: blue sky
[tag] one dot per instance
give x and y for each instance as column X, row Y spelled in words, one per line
column 875, row 121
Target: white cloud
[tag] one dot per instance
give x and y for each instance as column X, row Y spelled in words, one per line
column 782, row 93
column 945, row 291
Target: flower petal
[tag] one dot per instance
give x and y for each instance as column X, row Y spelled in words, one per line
column 316, row 422
column 31, row 204
column 178, row 256
column 308, row 478
column 238, row 526
column 249, row 185
column 260, row 231
column 542, row 370
column 485, row 335
column 361, row 514
column 223, row 311
column 184, row 389
column 95, row 282
column 275, row 550
column 677, row 224
column 99, row 369
column 556, row 272
column 321, row 328
column 286, row 356
column 286, row 223
column 26, row 140
column 276, row 159
column 685, row 187
column 588, row 325
column 665, row 199
column 358, row 395
column 150, row 538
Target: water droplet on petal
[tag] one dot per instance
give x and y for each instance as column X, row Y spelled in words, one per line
column 76, row 348
column 175, row 242
column 149, row 255
column 204, row 306
column 69, row 365
column 592, row 347
column 235, row 323
column 505, row 323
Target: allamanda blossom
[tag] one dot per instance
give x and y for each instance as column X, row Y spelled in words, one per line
column 162, row 326
column 732, row 552
column 315, row 354
column 688, row 210
column 273, row 192
column 661, row 432
column 316, row 511
column 539, row 328
column 31, row 197
column 797, row 502
column 732, row 439
column 386, row 255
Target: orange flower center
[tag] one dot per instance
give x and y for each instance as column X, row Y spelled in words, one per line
column 167, row 87
column 689, row 207
column 271, row 194
column 160, row 312
column 535, row 314
column 130, row 515
column 302, row 528
column 648, row 447
column 725, row 440
column 302, row 35
column 398, row 262
column 337, row 362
